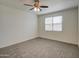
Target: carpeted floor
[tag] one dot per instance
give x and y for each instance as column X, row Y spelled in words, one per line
column 40, row 48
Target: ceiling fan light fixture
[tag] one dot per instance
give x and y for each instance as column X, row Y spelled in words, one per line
column 36, row 9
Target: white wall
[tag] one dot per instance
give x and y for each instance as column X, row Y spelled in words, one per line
column 69, row 34
column 78, row 25
column 16, row 26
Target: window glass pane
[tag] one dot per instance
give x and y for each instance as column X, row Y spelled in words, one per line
column 57, row 19
column 48, row 20
column 48, row 27
column 57, row 27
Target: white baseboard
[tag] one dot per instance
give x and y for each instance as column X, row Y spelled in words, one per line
column 30, row 38
column 59, row 40
column 16, row 42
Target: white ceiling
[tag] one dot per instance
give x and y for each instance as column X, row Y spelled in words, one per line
column 54, row 5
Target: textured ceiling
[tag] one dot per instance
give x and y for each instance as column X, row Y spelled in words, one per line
column 54, row 5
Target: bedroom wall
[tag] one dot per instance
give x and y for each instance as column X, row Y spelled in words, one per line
column 78, row 25
column 16, row 26
column 70, row 26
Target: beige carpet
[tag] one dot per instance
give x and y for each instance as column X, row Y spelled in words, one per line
column 40, row 48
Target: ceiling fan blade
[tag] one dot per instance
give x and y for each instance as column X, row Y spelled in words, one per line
column 31, row 8
column 40, row 9
column 36, row 0
column 44, row 6
column 28, row 5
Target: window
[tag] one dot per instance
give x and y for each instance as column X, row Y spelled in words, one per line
column 48, row 24
column 53, row 23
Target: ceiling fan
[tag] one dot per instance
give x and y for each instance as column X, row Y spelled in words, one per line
column 36, row 6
